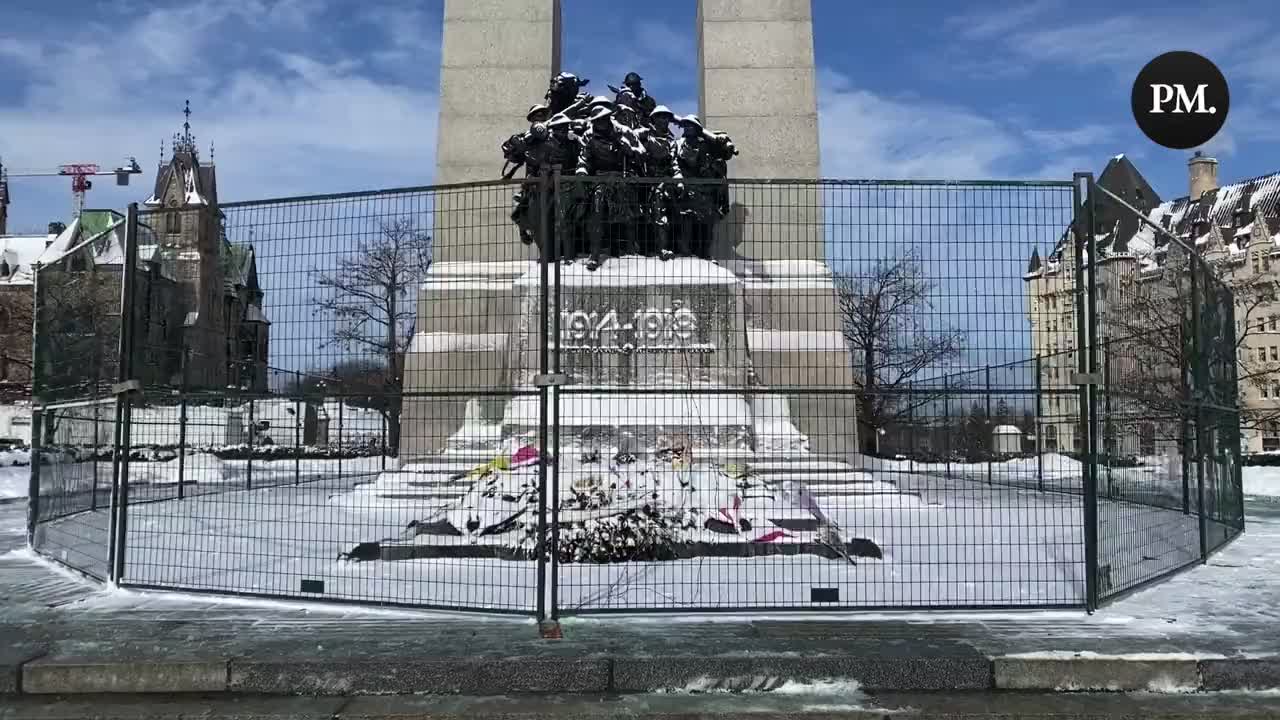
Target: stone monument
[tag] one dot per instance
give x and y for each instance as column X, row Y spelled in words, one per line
column 713, row 298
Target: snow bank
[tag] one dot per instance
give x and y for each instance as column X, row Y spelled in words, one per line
column 1262, row 481
column 14, row 481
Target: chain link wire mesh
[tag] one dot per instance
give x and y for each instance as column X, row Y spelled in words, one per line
column 640, row 395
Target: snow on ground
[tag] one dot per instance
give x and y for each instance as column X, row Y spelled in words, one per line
column 1263, row 481
column 14, row 482
column 968, row 543
column 210, row 425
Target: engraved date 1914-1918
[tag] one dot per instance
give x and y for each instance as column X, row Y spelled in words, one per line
column 672, row 329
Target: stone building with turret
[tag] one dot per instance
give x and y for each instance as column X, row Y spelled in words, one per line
column 195, row 291
column 1236, row 228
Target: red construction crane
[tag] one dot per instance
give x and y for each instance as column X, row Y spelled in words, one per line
column 80, row 174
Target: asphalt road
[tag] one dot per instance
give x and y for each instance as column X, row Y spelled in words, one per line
column 763, row 706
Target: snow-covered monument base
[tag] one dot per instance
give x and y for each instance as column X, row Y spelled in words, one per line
column 669, row 445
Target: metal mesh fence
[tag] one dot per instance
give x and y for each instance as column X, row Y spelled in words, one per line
column 1168, row 480
column 642, row 395
column 72, row 471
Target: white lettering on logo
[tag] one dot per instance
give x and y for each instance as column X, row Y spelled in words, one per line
column 1183, row 101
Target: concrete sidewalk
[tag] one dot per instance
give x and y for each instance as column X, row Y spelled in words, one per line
column 1212, row 628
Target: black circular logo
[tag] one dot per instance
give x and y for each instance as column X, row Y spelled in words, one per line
column 1180, row 100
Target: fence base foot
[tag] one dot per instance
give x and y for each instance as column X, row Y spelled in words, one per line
column 550, row 630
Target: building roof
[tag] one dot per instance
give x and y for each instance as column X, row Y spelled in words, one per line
column 100, row 232
column 1231, row 209
column 17, row 254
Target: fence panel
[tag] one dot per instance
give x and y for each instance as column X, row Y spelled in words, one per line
column 1168, row 482
column 823, row 397
column 710, row 396
column 313, row 413
column 76, row 304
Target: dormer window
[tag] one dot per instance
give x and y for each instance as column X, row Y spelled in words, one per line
column 173, row 222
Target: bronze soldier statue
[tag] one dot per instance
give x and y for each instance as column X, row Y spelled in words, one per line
column 660, row 162
column 699, row 206
column 607, row 141
column 517, row 151
column 557, row 153
column 565, row 90
column 633, row 94
column 608, row 153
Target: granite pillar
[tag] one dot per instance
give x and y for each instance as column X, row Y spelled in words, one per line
column 497, row 57
column 757, row 82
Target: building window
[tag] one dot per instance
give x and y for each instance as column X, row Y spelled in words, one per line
column 1051, row 438
column 1147, row 439
column 1273, row 323
column 1271, row 437
column 173, row 223
column 1274, row 354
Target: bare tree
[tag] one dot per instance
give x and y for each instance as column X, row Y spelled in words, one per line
column 78, row 329
column 369, row 296
column 1149, row 348
column 16, row 317
column 883, row 313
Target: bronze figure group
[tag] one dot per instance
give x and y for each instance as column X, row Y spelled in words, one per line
column 636, row 188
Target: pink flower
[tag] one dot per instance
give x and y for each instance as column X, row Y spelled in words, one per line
column 525, row 455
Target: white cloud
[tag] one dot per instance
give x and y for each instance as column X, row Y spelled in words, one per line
column 867, row 135
column 986, row 24
column 1058, row 140
column 287, row 123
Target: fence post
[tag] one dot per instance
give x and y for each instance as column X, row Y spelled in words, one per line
column 556, row 305
column 33, row 482
column 946, row 422
column 1184, row 426
column 544, row 310
column 991, row 439
column 182, row 419
column 1197, row 397
column 1086, row 363
column 248, row 478
column 342, row 430
column 97, row 412
column 1039, row 428
column 124, row 398
column 298, row 419
column 1109, row 439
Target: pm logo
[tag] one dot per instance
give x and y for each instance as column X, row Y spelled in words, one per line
column 1180, row 100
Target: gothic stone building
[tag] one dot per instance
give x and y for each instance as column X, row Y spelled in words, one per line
column 225, row 329
column 1236, row 228
column 195, row 290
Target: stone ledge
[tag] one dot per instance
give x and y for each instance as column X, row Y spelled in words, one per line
column 1138, row 673
column 477, row 676
column 1240, row 674
column 762, row 672
column 76, row 676
column 495, row 676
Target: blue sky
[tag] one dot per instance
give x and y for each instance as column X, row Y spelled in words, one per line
column 305, row 96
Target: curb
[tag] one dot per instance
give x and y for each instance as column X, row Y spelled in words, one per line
column 1045, row 672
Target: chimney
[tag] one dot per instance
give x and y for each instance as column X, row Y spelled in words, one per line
column 55, row 229
column 1202, row 171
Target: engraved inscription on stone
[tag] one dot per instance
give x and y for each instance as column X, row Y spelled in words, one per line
column 647, row 330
